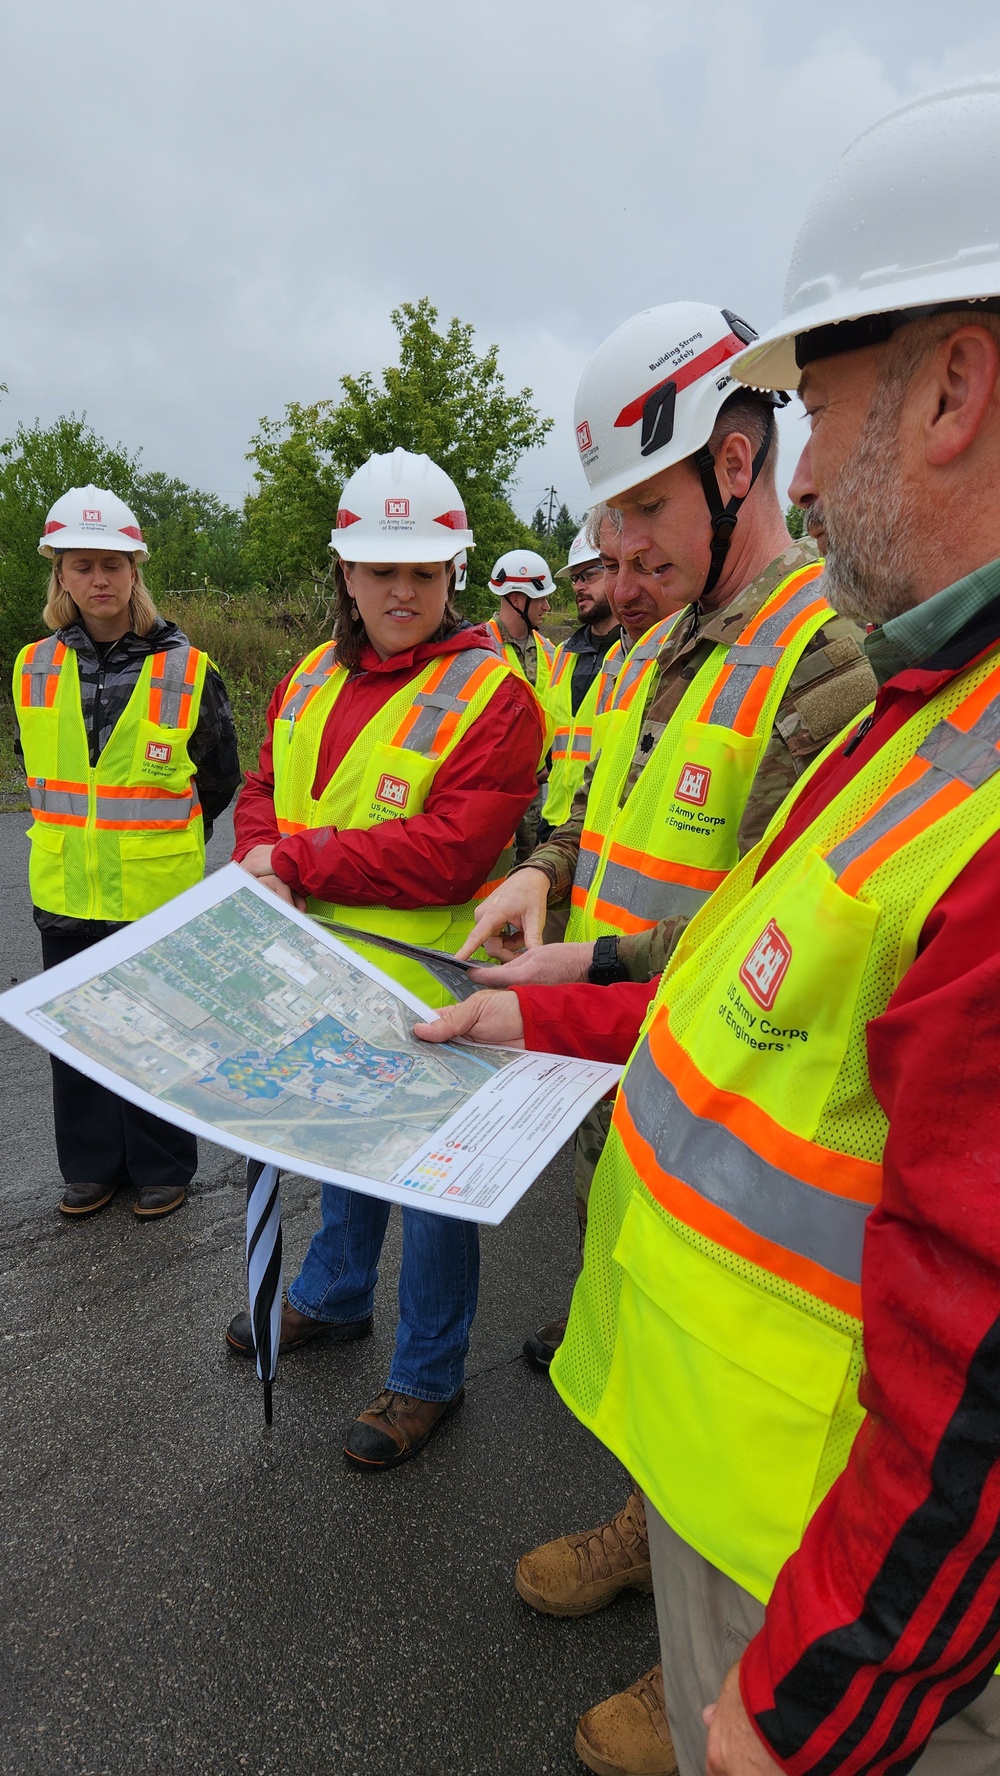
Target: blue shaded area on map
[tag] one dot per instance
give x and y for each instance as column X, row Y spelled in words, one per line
column 329, row 1049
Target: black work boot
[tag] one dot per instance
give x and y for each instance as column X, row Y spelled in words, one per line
column 85, row 1199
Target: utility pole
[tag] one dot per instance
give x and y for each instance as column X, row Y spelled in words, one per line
column 551, row 495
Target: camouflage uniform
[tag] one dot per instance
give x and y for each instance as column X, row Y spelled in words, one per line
column 526, row 836
column 831, row 684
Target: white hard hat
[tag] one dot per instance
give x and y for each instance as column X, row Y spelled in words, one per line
column 650, row 397
column 909, row 220
column 580, row 550
column 461, row 570
column 522, row 570
column 400, row 507
column 651, row 393
column 92, row 518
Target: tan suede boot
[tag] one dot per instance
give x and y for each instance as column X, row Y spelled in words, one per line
column 580, row 1573
column 628, row 1734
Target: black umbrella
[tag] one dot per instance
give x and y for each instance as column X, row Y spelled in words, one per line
column 264, row 1269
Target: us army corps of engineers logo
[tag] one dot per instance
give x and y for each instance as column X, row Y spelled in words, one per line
column 393, row 790
column 766, row 966
column 692, row 785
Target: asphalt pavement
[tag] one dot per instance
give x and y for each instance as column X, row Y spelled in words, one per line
column 185, row 1591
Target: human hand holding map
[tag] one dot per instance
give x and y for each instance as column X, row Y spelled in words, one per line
column 239, row 1018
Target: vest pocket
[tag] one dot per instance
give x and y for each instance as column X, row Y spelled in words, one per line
column 46, row 867
column 157, row 865
column 725, row 1395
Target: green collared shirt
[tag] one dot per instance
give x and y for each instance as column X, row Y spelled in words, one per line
column 917, row 634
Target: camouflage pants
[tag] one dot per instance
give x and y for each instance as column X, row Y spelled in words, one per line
column 590, row 1138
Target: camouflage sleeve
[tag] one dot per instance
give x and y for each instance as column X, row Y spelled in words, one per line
column 557, row 857
column 646, row 953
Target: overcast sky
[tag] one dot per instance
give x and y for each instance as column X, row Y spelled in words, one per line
column 210, row 206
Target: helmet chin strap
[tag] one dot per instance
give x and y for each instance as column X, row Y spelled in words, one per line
column 522, row 609
column 724, row 516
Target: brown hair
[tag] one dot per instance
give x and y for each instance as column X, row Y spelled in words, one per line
column 750, row 413
column 60, row 609
column 349, row 631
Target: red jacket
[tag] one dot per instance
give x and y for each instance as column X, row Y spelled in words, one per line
column 887, row 1619
column 439, row 857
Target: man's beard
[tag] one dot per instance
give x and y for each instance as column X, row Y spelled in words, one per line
column 869, row 516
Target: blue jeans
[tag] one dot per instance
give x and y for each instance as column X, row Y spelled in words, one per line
column 438, row 1286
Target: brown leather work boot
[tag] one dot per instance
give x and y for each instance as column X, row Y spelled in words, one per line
column 395, row 1427
column 628, row 1734
column 580, row 1573
column 296, row 1329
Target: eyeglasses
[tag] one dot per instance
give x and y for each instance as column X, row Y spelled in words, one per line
column 583, row 576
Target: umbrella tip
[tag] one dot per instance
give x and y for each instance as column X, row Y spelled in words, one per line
column 268, row 1409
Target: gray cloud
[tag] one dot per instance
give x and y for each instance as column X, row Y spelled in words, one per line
column 209, row 209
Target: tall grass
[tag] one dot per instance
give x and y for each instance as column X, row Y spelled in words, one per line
column 254, row 639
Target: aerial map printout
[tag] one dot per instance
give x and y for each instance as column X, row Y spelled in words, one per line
column 239, row 1018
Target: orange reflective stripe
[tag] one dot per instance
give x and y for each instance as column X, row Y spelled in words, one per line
column 713, row 1223
column 840, row 1174
column 485, row 670
column 155, row 694
column 137, row 792
column 50, row 680
column 746, row 717
column 409, row 720
column 630, row 690
column 627, row 923
column 950, row 795
column 644, row 864
column 287, row 827
column 61, row 783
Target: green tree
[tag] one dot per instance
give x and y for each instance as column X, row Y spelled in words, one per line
column 194, row 539
column 795, row 519
column 37, row 465
column 442, row 398
column 191, row 536
column 565, row 528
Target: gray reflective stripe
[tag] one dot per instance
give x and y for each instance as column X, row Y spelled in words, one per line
column 317, row 675
column 586, row 868
column 173, row 684
column 145, row 810
column 715, row 1163
column 760, row 654
column 446, row 698
column 39, row 669
column 56, row 801
column 647, row 898
column 970, row 758
column 631, row 672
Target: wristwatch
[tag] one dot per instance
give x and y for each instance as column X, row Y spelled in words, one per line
column 605, row 967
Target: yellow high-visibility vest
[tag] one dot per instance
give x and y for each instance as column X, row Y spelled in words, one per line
column 575, row 742
column 385, row 775
column 665, row 846
column 545, row 652
column 716, row 1339
column 117, row 839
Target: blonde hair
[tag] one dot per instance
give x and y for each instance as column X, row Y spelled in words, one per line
column 60, row 609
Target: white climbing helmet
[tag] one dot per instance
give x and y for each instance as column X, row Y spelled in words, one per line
column 651, row 393
column 400, row 507
column 461, row 571
column 522, row 570
column 580, row 552
column 92, row 518
column 909, row 220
